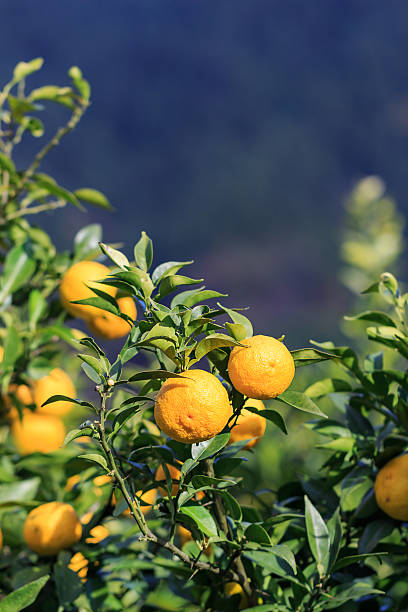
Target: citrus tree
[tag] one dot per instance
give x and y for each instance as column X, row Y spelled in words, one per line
column 127, row 494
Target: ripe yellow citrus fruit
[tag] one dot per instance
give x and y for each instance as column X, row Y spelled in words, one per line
column 262, row 369
column 23, row 393
column 79, row 565
column 1, row 539
column 174, row 475
column 52, row 527
column 391, row 488
column 97, row 534
column 72, row 481
column 100, row 481
column 148, row 497
column 192, row 408
column 234, row 588
column 185, row 536
column 249, row 425
column 57, row 382
column 110, row 326
column 75, row 286
column 37, row 433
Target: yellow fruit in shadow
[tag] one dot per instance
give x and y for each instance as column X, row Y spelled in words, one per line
column 234, row 588
column 249, row 425
column 110, row 326
column 174, row 475
column 52, row 527
column 37, row 433
column 185, row 536
column 148, row 497
column 391, row 488
column 75, row 286
column 57, row 382
column 97, row 534
column 262, row 369
column 23, row 393
column 192, row 408
column 79, row 565
column 1, row 539
column 72, row 481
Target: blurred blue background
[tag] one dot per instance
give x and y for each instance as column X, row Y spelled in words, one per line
column 230, row 131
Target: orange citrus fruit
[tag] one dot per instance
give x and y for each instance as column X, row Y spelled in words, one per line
column 52, row 527
column 23, row 393
column 192, row 408
column 75, row 286
column 262, row 369
column 148, row 497
column 79, row 565
column 249, row 425
column 71, row 482
column 391, row 488
column 185, row 536
column 110, row 326
column 1, row 539
column 57, row 382
column 37, row 433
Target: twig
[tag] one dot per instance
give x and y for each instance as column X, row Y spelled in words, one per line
column 36, row 209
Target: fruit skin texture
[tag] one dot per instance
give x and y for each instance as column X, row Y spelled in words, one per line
column 79, row 565
column 391, row 488
column 249, row 425
column 52, row 527
column 57, row 382
column 194, row 409
column 37, row 433
column 74, row 283
column 108, row 325
column 262, row 369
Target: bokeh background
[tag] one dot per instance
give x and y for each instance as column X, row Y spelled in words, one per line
column 232, row 132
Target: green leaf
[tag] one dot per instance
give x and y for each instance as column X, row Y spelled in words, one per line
column 39, row 367
column 94, row 363
column 191, row 298
column 335, row 535
column 68, row 583
column 118, row 258
column 58, row 398
column 323, row 387
column 318, row 537
column 300, row 401
column 20, row 491
column 52, row 187
column 237, row 331
column 354, row 487
column 94, row 197
column 238, row 319
column 202, row 518
column 138, row 279
column 99, row 302
column 390, row 336
column 53, row 93
column 95, row 458
column 23, row 69
column 12, row 348
column 24, row 596
column 309, row 356
column 213, row 341
column 80, row 83
column 7, row 164
column 143, row 252
column 167, row 269
column 91, row 373
column 208, row 448
column 36, row 307
column 76, row 433
column 277, row 560
column 256, row 533
column 86, row 241
column 231, row 505
column 18, row 269
column 345, row 561
column 170, row 284
column 374, row 317
column 154, row 375
column 373, row 533
column 270, row 415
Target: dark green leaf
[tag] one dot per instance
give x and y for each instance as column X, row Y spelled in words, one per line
column 18, row 269
column 318, row 537
column 335, row 535
column 153, row 375
column 278, row 560
column 95, row 458
column 308, row 356
column 345, row 561
column 99, row 302
column 202, row 518
column 270, row 415
column 208, row 448
column 373, row 533
column 256, row 533
column 90, row 372
column 68, row 583
column 24, row 596
column 374, row 317
column 232, row 507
